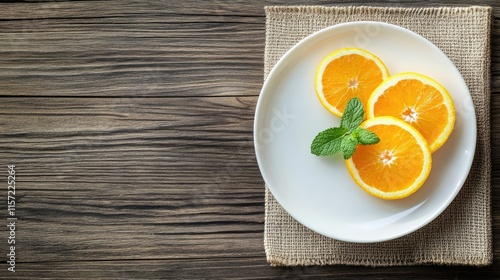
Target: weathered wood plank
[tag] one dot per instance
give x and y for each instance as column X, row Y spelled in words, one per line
column 186, row 9
column 127, row 49
column 237, row 268
column 146, row 60
column 176, row 141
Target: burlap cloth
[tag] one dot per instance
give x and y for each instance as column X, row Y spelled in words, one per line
column 462, row 233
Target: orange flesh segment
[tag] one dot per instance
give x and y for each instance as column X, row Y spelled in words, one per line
column 394, row 163
column 429, row 106
column 350, row 76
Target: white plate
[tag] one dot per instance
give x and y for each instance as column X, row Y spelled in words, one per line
column 318, row 191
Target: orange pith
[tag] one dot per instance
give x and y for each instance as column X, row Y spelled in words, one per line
column 395, row 167
column 348, row 73
column 418, row 100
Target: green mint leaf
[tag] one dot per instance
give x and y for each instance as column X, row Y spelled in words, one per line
column 328, row 142
column 348, row 146
column 346, row 137
column 365, row 137
column 353, row 114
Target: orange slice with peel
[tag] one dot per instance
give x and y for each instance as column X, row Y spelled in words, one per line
column 420, row 101
column 348, row 73
column 395, row 167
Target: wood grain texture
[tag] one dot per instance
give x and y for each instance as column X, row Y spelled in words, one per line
column 130, row 124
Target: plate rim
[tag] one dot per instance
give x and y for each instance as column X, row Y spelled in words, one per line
column 282, row 62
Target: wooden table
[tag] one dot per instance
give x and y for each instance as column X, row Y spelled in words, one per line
column 130, row 127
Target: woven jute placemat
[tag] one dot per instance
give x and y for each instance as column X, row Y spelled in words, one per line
column 462, row 233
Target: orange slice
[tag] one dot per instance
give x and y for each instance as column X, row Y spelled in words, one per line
column 395, row 167
column 418, row 100
column 348, row 73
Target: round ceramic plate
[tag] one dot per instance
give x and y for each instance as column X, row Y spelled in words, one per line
column 318, row 191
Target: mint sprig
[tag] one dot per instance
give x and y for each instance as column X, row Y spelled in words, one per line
column 346, row 137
